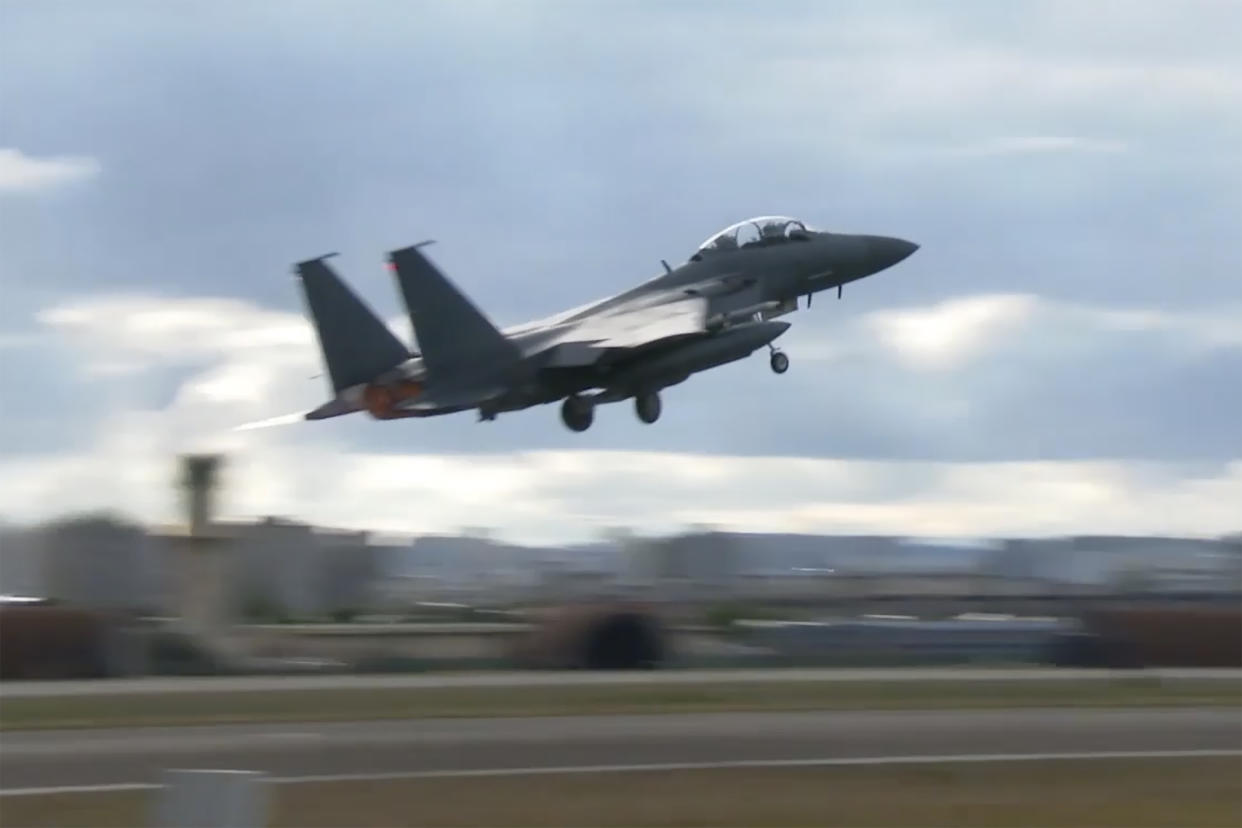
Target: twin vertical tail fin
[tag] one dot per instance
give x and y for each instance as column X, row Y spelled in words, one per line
column 459, row 346
column 467, row 360
column 357, row 347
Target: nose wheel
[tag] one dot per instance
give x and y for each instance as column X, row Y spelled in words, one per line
column 577, row 413
column 647, row 407
column 779, row 362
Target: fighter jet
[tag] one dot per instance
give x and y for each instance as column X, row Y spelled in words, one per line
column 719, row 306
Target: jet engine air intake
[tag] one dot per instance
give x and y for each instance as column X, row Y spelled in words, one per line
column 380, row 401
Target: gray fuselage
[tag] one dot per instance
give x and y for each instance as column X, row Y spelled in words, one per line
column 768, row 271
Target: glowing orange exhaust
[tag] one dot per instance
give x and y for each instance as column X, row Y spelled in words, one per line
column 381, row 400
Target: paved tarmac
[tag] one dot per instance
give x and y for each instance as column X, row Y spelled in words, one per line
column 35, row 759
column 527, row 678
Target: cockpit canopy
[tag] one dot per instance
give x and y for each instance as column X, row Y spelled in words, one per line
column 759, row 231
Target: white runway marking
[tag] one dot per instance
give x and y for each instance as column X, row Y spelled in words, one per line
column 226, row 684
column 296, row 736
column 669, row 766
column 80, row 789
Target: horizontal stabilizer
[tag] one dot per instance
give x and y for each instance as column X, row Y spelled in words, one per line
column 357, row 347
column 333, row 408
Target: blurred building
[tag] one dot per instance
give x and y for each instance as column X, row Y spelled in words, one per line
column 273, row 563
column 1119, row 563
column 475, row 567
column 104, row 563
column 785, row 566
column 276, row 569
column 1157, row 564
column 1232, row 569
column 685, row 565
column 783, row 554
column 462, row 562
column 345, row 579
column 1054, row 561
column 21, row 562
column 281, row 569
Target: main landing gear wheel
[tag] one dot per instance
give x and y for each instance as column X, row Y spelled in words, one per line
column 577, row 413
column 647, row 407
column 779, row 362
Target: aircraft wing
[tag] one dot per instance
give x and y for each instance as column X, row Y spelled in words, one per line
column 636, row 325
column 646, row 319
column 633, row 325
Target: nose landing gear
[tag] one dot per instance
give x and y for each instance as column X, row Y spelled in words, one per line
column 778, row 361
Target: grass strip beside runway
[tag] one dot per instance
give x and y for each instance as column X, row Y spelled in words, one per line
column 149, row 709
column 1127, row 793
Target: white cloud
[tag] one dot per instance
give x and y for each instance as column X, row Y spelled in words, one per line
column 995, row 499
column 243, row 363
column 950, row 334
column 138, row 330
column 125, row 334
column 21, row 173
column 525, row 495
column 155, row 328
column 529, row 495
column 255, row 363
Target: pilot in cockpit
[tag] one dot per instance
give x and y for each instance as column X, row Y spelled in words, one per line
column 773, row 231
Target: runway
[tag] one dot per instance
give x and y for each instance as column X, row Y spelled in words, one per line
column 39, row 759
column 49, row 689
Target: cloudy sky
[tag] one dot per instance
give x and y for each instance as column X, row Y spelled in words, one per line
column 1063, row 354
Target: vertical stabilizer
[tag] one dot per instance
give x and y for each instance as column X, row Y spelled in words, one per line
column 357, row 347
column 458, row 344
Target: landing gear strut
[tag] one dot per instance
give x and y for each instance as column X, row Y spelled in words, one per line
column 577, row 413
column 647, row 406
column 778, row 361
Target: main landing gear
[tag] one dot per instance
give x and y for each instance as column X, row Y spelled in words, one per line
column 577, row 413
column 647, row 406
column 778, row 361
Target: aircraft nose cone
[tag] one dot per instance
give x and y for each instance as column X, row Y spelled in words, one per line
column 885, row 251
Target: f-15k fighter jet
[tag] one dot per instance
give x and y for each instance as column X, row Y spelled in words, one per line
column 717, row 307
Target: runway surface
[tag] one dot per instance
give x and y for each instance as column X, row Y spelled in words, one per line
column 35, row 759
column 21, row 689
